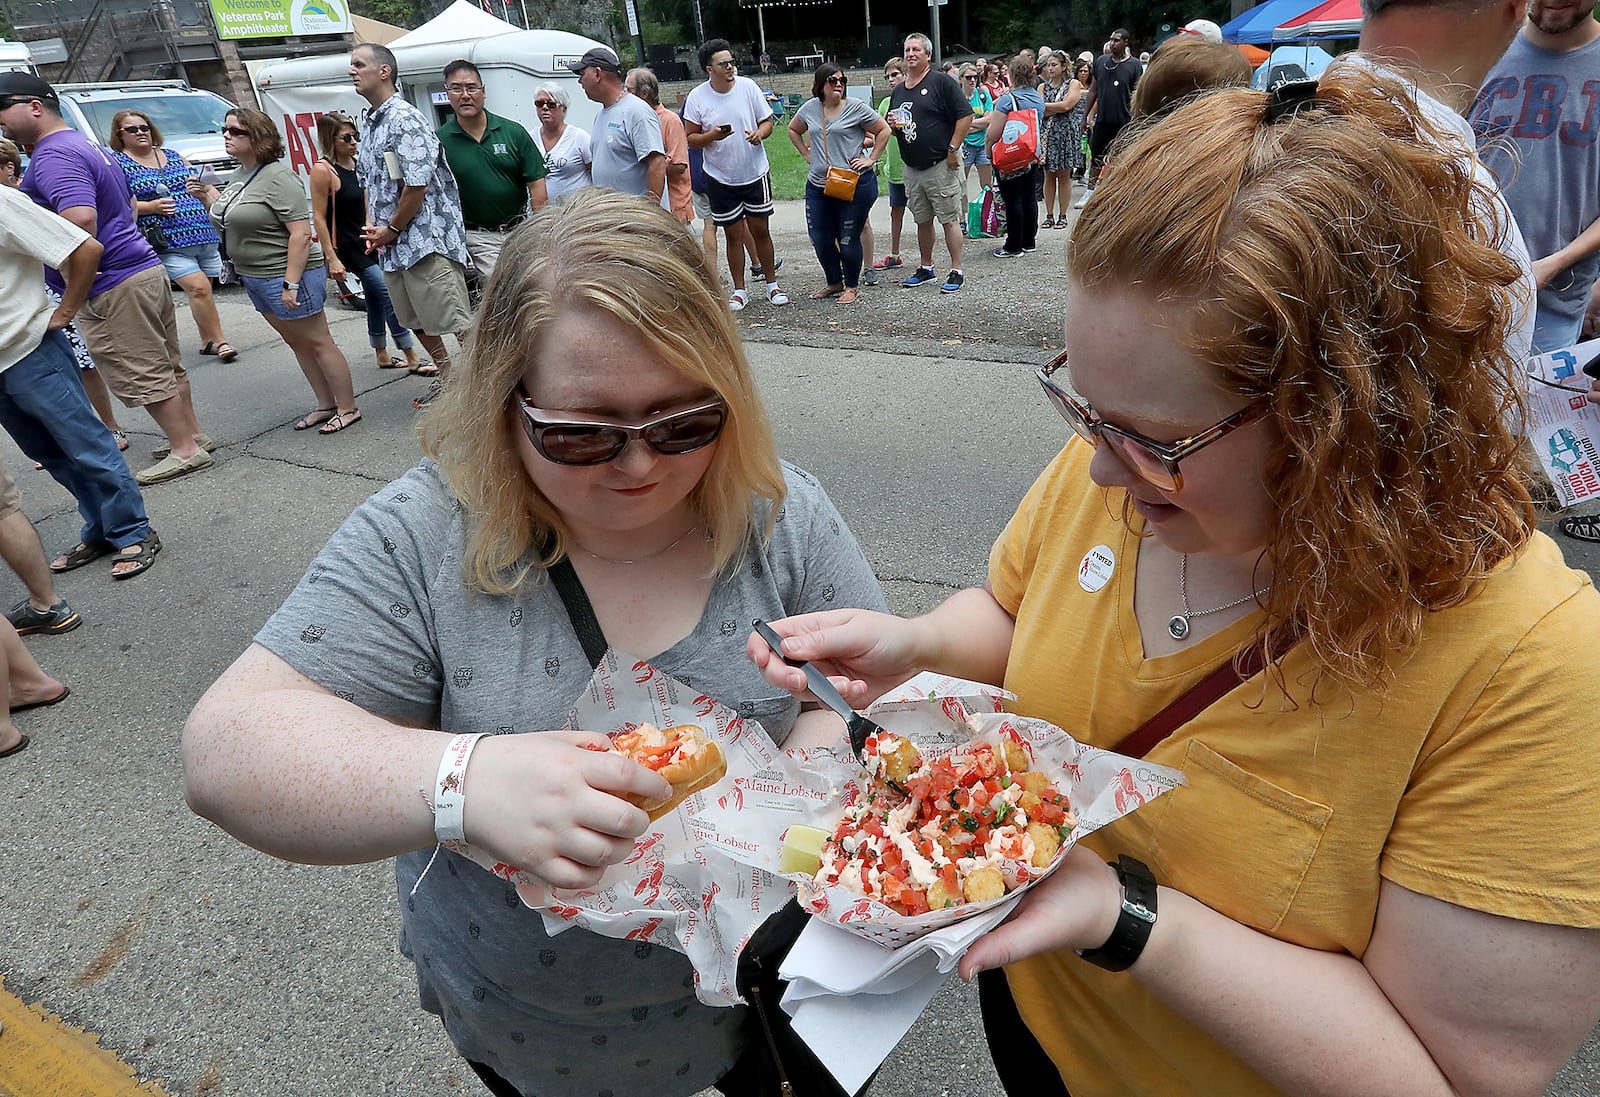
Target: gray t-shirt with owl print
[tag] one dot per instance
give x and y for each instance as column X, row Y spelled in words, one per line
column 383, row 619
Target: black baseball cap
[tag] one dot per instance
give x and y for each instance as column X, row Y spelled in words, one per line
column 597, row 58
column 25, row 85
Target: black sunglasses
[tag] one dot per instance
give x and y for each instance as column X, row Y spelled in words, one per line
column 351, row 138
column 577, row 442
column 135, row 129
column 235, row 131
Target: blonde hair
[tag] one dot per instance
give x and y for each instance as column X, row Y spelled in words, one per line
column 629, row 259
column 1339, row 263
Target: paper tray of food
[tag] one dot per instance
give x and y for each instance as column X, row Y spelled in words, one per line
column 672, row 890
column 967, row 814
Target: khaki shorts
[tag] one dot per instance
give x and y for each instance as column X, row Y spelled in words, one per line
column 484, row 246
column 431, row 295
column 132, row 331
column 934, row 193
column 10, row 497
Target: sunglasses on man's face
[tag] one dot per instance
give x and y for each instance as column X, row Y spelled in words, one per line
column 579, row 442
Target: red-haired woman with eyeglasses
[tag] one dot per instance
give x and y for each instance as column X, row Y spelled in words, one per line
column 1288, row 373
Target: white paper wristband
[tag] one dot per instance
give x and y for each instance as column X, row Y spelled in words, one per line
column 449, row 789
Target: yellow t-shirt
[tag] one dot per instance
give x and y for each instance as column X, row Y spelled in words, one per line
column 1474, row 779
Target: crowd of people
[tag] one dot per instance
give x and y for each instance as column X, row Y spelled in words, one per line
column 1289, row 546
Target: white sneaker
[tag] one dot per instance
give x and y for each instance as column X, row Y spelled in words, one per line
column 1083, row 199
column 739, row 300
column 777, row 297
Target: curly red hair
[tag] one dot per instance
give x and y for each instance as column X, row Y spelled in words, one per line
column 1341, row 264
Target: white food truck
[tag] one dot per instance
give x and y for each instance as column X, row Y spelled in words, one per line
column 16, row 57
column 295, row 92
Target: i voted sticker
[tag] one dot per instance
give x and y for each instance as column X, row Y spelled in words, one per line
column 1095, row 570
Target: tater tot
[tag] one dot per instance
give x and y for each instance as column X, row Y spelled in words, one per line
column 986, row 883
column 1035, row 781
column 941, row 896
column 1028, row 803
column 899, row 763
column 1046, row 840
column 1015, row 757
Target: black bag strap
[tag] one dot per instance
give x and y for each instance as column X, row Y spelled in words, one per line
column 579, row 611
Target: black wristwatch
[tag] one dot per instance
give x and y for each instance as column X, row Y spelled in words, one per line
column 291, row 287
column 1134, row 923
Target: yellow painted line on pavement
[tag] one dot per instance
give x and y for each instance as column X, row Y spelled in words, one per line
column 43, row 1056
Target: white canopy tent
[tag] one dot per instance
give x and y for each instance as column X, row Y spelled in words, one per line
column 460, row 22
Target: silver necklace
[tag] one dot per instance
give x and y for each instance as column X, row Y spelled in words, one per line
column 642, row 559
column 1179, row 625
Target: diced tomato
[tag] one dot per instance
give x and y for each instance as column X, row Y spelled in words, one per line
column 914, row 900
column 1050, row 814
column 951, row 880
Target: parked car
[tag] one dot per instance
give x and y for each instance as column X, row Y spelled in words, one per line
column 190, row 119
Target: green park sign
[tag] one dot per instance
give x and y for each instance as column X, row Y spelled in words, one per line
column 280, row 18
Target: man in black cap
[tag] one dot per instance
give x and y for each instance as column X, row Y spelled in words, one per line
column 128, row 320
column 44, row 409
column 626, row 138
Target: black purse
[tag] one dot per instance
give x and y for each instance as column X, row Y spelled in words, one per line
column 156, row 236
column 777, row 1063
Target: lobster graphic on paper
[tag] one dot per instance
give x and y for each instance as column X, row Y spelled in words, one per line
column 644, row 846
column 1127, row 793
column 651, row 882
column 735, row 796
column 644, row 932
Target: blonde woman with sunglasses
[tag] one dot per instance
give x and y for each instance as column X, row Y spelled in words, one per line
column 1287, row 375
column 606, row 422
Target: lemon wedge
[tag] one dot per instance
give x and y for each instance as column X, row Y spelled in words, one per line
column 802, row 849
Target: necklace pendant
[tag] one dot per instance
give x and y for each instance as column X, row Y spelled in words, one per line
column 1178, row 627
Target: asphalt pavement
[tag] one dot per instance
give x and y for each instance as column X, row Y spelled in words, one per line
column 221, row 971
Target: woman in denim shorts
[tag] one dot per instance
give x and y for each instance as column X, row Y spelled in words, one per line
column 159, row 179
column 265, row 225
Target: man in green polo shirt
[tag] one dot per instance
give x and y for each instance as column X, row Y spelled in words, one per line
column 496, row 163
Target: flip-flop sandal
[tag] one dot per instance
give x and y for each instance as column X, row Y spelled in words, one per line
column 56, row 700
column 145, row 558
column 226, row 351
column 210, row 349
column 341, row 421
column 826, row 292
column 22, row 745
column 395, row 363
column 425, row 368
column 1581, row 527
column 76, row 558
column 306, row 422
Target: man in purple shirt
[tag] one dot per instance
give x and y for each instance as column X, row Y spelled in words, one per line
column 129, row 321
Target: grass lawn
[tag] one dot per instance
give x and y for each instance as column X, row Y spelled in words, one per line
column 788, row 169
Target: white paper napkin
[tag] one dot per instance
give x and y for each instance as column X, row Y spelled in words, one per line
column 853, row 1000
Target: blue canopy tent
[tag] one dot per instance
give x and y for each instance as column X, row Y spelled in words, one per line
column 1255, row 26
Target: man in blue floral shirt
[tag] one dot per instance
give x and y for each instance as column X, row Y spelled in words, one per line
column 417, row 227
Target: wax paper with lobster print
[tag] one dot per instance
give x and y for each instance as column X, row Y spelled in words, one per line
column 673, row 890
column 939, row 715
